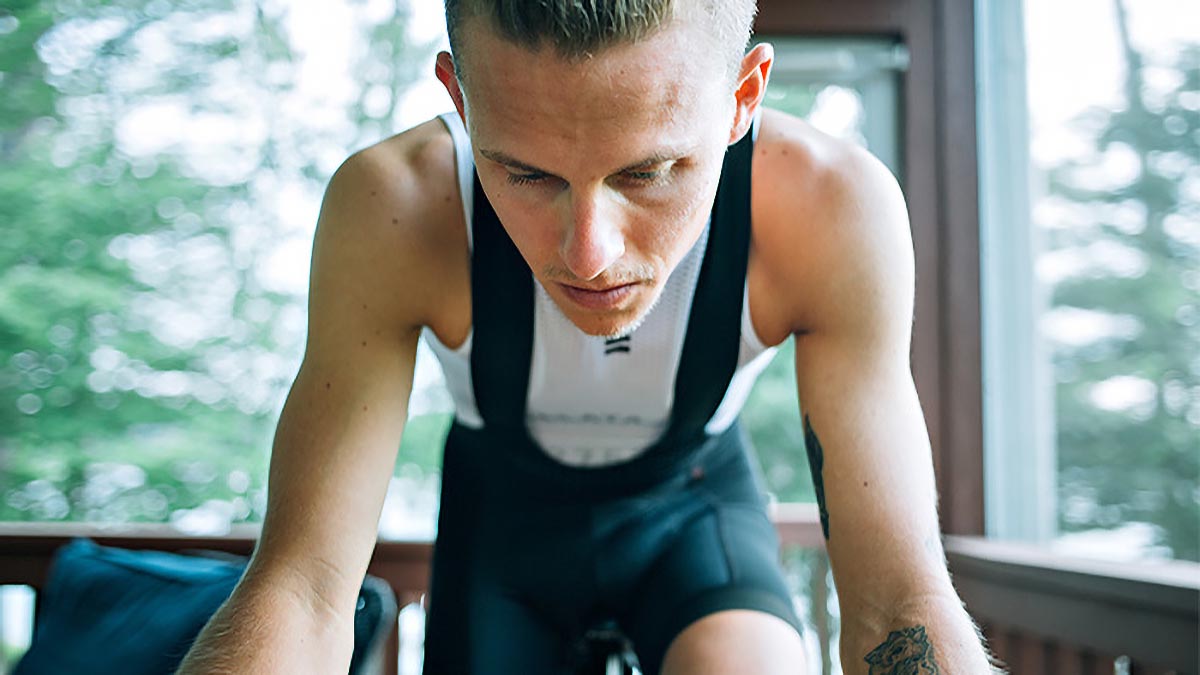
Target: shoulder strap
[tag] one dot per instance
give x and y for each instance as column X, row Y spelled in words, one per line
column 502, row 317
column 712, row 341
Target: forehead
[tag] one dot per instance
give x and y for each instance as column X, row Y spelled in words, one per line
column 661, row 91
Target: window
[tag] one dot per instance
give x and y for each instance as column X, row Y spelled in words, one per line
column 1090, row 161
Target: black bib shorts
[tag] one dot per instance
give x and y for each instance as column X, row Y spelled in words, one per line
column 520, row 572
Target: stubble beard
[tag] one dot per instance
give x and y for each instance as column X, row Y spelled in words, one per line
column 628, row 329
column 623, row 331
column 639, row 274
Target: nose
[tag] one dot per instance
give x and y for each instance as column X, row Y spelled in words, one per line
column 592, row 240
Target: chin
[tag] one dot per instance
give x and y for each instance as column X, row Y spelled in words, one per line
column 612, row 330
column 615, row 324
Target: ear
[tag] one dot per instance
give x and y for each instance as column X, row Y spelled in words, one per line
column 750, row 89
column 444, row 69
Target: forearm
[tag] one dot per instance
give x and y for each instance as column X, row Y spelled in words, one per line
column 928, row 634
column 270, row 629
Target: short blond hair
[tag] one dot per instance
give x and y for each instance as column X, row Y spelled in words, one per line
column 579, row 28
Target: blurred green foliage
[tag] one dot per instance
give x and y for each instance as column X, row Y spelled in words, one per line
column 1140, row 462
column 143, row 357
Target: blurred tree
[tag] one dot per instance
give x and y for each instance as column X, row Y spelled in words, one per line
column 1135, row 461
column 143, row 351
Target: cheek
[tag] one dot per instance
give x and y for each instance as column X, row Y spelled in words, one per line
column 531, row 226
column 666, row 235
column 683, row 208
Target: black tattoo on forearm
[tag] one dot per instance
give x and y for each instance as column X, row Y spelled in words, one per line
column 905, row 652
column 816, row 462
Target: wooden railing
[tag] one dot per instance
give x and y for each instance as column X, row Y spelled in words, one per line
column 1047, row 614
column 26, row 551
column 1042, row 614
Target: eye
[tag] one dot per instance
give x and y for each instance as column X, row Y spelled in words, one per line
column 525, row 178
column 645, row 178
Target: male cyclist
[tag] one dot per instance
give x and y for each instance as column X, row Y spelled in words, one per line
column 602, row 244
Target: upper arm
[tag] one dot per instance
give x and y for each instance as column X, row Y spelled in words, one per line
column 867, row 441
column 339, row 431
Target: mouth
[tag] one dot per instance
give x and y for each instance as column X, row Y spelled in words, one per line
column 604, row 289
column 607, row 298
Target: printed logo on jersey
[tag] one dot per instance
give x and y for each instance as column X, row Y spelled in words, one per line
column 615, row 345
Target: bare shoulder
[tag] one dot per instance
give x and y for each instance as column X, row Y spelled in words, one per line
column 392, row 231
column 830, row 230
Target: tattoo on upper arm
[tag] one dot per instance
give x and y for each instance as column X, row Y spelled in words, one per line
column 816, row 461
column 905, row 652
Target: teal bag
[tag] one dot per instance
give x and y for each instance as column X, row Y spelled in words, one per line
column 108, row 610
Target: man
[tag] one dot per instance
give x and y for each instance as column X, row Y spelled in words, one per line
column 599, row 319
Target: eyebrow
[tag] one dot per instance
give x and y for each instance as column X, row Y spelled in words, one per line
column 659, row 156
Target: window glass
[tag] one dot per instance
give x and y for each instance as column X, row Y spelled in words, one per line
column 1114, row 144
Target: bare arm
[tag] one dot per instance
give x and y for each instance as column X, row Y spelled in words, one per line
column 868, row 446
column 335, row 445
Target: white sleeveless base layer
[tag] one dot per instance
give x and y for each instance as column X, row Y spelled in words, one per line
column 592, row 401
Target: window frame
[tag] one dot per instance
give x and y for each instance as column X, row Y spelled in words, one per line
column 1020, row 458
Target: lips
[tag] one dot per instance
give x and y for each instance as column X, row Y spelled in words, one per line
column 597, row 290
column 599, row 299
